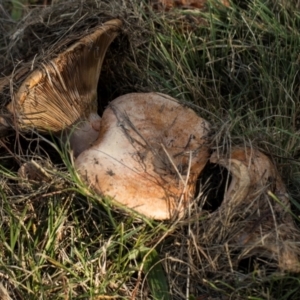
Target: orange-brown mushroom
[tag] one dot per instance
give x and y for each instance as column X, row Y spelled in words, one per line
column 149, row 154
column 257, row 190
column 62, row 93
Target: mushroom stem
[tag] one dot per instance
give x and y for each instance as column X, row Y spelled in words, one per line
column 82, row 135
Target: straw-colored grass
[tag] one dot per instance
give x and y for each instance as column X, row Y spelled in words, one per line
column 238, row 67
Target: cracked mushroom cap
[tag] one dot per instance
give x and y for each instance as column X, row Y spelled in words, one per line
column 149, row 154
column 62, row 93
column 257, row 190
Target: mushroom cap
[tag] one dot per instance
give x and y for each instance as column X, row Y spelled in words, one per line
column 148, row 155
column 252, row 173
column 270, row 227
column 63, row 91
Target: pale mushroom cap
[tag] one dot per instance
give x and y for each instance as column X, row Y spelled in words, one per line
column 147, row 146
column 63, row 92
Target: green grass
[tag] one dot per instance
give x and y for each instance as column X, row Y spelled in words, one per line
column 240, row 71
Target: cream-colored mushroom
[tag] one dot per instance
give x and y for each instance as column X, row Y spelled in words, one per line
column 149, row 154
column 62, row 93
column 257, row 190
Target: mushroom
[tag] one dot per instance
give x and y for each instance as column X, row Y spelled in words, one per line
column 61, row 95
column 148, row 155
column 257, row 197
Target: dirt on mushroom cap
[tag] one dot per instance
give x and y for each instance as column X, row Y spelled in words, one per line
column 149, row 154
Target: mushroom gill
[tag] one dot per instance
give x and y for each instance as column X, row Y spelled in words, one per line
column 148, row 155
column 61, row 95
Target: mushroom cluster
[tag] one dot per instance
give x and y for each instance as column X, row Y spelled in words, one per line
column 148, row 150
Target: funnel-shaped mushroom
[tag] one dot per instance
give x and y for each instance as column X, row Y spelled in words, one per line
column 148, row 155
column 257, row 191
column 62, row 93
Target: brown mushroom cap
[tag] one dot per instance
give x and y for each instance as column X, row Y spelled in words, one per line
column 252, row 172
column 269, row 231
column 149, row 154
column 63, row 91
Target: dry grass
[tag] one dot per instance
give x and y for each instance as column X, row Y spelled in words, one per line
column 239, row 70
